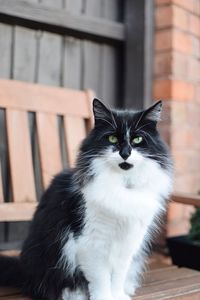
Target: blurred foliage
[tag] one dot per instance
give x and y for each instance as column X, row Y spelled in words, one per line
column 194, row 233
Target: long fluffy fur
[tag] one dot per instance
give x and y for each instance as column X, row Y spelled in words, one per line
column 89, row 235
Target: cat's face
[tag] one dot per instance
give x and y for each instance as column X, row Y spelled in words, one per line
column 123, row 140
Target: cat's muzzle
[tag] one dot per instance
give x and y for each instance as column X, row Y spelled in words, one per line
column 125, row 166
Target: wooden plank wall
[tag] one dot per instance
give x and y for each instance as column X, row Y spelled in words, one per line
column 53, row 59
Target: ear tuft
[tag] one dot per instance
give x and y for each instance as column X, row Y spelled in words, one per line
column 153, row 113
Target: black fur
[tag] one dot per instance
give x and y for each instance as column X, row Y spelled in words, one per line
column 39, row 271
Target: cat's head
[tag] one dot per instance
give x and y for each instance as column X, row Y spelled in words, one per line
column 124, row 139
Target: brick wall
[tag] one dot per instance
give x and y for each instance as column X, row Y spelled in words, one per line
column 177, row 82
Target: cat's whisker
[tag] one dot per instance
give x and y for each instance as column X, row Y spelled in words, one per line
column 138, row 129
column 112, row 116
column 147, row 134
column 106, row 122
column 140, row 118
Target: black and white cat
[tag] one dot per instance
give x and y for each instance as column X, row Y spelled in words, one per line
column 89, row 233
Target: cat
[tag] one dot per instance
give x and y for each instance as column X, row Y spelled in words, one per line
column 90, row 232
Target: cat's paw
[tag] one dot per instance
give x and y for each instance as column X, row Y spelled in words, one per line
column 123, row 296
column 102, row 297
column 130, row 289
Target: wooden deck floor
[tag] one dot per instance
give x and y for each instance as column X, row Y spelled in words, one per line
column 161, row 282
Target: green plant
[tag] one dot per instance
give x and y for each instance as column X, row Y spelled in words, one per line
column 194, row 233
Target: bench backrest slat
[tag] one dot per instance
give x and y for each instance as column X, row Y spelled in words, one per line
column 21, row 165
column 75, row 130
column 42, row 124
column 49, row 148
column 38, row 98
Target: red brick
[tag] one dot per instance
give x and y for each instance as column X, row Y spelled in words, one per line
column 171, row 15
column 162, row 2
column 163, row 63
column 194, row 25
column 175, row 211
column 184, row 183
column 180, row 64
column 180, row 137
column 181, row 161
column 197, row 93
column 162, row 89
column 183, row 91
column 195, row 46
column 163, row 16
column 163, row 40
column 179, row 113
column 177, row 72
column 186, row 4
column 196, row 7
column 194, row 162
column 193, row 115
column 189, row 5
column 173, row 89
column 182, row 41
column 180, row 17
column 165, row 133
column 177, row 222
column 194, row 70
column 180, row 228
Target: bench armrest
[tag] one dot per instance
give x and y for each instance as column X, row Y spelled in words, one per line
column 187, row 199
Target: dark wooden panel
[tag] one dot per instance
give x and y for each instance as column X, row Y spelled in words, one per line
column 6, row 55
column 24, row 54
column 148, row 53
column 138, row 52
column 55, row 20
column 49, row 65
column 72, row 64
column 134, row 53
column 1, row 186
column 52, row 3
column 74, row 6
column 92, row 68
column 111, row 76
column 114, row 10
column 72, row 52
column 5, row 50
column 92, row 53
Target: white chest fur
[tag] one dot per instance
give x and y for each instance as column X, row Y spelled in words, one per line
column 135, row 193
column 120, row 206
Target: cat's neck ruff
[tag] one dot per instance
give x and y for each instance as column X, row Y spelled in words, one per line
column 128, row 192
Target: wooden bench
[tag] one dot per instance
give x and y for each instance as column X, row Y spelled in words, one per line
column 73, row 109
column 47, row 103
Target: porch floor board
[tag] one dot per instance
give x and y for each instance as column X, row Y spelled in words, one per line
column 161, row 282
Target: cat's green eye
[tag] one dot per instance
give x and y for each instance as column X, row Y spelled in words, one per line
column 137, row 140
column 112, row 139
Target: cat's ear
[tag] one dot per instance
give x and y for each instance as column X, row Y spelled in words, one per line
column 101, row 112
column 153, row 113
